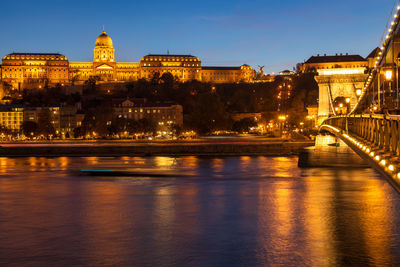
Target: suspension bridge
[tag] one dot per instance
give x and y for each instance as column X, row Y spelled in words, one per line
column 371, row 126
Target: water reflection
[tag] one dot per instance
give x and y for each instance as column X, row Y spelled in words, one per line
column 235, row 211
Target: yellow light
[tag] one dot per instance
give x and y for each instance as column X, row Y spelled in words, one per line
column 372, row 154
column 391, row 167
column 377, row 158
column 282, row 118
column 388, row 75
column 358, row 92
column 383, row 162
column 398, row 175
column 347, row 100
column 341, row 71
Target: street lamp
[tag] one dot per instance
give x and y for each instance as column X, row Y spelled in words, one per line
column 388, row 76
column 282, row 118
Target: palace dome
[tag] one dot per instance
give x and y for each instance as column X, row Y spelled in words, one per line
column 104, row 40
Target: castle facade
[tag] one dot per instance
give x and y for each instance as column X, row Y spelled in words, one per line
column 37, row 70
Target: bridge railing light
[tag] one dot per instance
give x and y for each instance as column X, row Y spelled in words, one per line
column 391, row 168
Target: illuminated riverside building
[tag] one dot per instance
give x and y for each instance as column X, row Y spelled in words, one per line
column 11, row 118
column 163, row 115
column 36, row 70
column 33, row 114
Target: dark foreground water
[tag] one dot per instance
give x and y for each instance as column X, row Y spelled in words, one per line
column 236, row 211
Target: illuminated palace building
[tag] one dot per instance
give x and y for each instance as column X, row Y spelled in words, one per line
column 35, row 70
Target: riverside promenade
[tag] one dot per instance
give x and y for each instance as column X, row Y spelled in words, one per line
column 218, row 146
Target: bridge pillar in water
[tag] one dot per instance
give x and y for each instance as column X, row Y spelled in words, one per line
column 330, row 151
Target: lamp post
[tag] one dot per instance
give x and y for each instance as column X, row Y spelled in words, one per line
column 388, row 77
column 282, row 119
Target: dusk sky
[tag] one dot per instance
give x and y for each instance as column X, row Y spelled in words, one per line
column 277, row 34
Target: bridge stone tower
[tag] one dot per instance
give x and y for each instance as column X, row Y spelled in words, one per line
column 336, row 90
column 340, row 79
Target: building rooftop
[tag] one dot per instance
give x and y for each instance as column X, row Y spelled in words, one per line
column 167, row 55
column 219, row 68
column 36, row 54
column 374, row 53
column 336, row 58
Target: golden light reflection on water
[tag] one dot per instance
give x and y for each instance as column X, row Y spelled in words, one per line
column 165, row 161
column 320, row 216
column 375, row 221
column 138, row 161
column 318, row 206
column 106, row 217
column 283, row 167
column 284, row 209
column 6, row 163
column 63, row 163
column 92, row 160
column 217, row 166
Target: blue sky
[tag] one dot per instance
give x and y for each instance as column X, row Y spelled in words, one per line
column 277, row 34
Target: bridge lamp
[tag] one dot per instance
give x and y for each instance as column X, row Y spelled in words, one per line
column 391, row 168
column 347, row 100
column 389, row 75
column 398, row 175
column 377, row 158
column 358, row 92
column 383, row 162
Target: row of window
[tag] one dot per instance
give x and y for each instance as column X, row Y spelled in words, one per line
column 34, row 58
column 40, row 70
column 169, row 59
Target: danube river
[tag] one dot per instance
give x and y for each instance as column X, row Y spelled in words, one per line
column 233, row 211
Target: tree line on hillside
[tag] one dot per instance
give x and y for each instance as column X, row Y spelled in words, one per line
column 207, row 107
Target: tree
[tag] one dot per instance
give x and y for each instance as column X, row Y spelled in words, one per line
column 79, row 132
column 209, row 114
column 29, row 128
column 90, row 84
column 45, row 127
column 244, row 125
column 147, row 126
